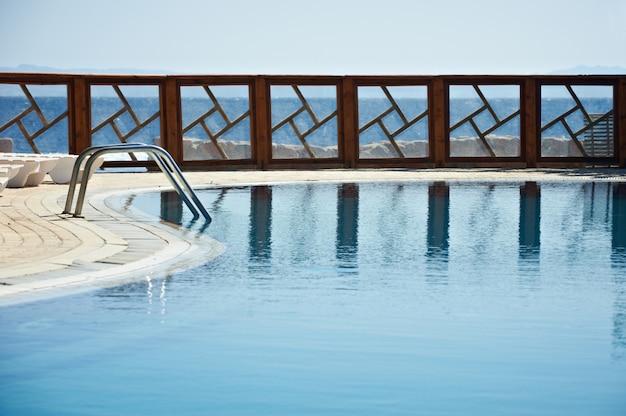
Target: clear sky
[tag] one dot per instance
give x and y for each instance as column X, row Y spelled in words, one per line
column 336, row 37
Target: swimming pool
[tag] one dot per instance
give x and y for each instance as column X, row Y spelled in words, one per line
column 360, row 298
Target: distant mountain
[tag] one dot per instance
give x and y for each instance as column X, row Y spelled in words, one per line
column 47, row 69
column 577, row 70
column 591, row 70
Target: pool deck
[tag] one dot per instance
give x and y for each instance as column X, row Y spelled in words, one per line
column 47, row 253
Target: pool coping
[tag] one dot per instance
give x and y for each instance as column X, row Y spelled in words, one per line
column 52, row 254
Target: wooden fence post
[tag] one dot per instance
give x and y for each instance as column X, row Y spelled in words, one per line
column 261, row 142
column 349, row 150
column 438, row 122
column 79, row 134
column 171, row 138
column 529, row 140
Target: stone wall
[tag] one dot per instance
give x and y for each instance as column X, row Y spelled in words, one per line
column 503, row 146
column 509, row 146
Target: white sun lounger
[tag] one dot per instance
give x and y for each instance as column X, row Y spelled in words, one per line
column 28, row 166
column 31, row 174
column 9, row 170
column 31, row 169
column 62, row 172
column 46, row 164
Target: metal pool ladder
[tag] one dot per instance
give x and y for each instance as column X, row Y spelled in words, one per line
column 163, row 160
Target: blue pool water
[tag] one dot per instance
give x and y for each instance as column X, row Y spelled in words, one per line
column 340, row 299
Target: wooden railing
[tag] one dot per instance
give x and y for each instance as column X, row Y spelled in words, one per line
column 291, row 122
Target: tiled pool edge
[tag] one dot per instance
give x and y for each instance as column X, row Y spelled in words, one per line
column 131, row 249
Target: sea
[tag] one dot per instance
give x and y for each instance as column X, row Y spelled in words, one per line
column 47, row 131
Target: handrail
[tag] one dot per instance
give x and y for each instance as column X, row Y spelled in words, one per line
column 163, row 160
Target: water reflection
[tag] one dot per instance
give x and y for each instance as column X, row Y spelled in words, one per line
column 618, row 262
column 300, row 232
column 570, row 226
column 154, row 291
column 219, row 200
column 171, row 210
column 394, row 221
column 618, row 240
column 438, row 221
column 347, row 225
column 597, row 204
column 162, row 299
column 171, row 207
column 260, row 237
column 619, row 323
column 529, row 221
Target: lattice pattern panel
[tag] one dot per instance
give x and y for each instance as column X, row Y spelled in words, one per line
column 216, row 122
column 304, row 122
column 577, row 121
column 393, row 121
column 35, row 117
column 125, row 114
column 485, row 121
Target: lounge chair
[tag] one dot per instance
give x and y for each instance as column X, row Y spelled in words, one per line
column 46, row 164
column 62, row 172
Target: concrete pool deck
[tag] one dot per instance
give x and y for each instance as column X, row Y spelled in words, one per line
column 45, row 252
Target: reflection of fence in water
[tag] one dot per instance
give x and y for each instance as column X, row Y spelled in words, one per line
column 600, row 209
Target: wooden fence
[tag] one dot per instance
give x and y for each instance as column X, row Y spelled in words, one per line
column 307, row 122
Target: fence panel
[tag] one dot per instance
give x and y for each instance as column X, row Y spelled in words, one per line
column 266, row 122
